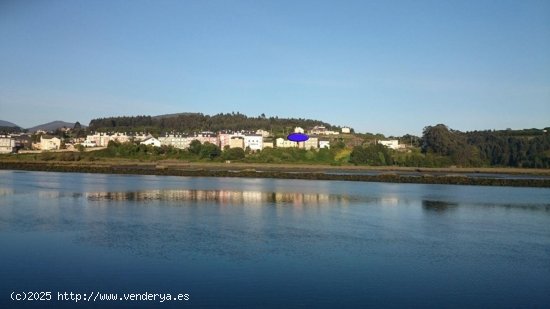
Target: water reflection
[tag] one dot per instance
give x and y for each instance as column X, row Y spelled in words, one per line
column 225, row 196
column 438, row 206
column 6, row 191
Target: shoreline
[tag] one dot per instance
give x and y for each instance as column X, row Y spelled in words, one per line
column 514, row 177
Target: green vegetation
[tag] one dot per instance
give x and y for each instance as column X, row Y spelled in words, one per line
column 438, row 147
column 194, row 122
column 522, row 148
column 374, row 154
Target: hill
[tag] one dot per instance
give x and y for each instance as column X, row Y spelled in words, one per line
column 4, row 123
column 51, row 126
column 193, row 122
column 174, row 115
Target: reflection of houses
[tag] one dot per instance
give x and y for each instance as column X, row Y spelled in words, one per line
column 49, row 143
column 7, row 144
column 151, row 141
column 221, row 196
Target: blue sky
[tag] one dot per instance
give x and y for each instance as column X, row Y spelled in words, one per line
column 391, row 67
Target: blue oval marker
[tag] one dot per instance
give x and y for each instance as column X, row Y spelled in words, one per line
column 297, row 137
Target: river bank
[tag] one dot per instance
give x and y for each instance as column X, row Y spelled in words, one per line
column 459, row 176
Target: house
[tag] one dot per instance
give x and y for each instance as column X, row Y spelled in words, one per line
column 224, row 138
column 392, row 144
column 346, row 130
column 151, row 141
column 88, row 144
column 141, row 136
column 49, row 143
column 179, row 141
column 120, row 137
column 321, row 130
column 23, row 141
column 263, row 133
column 206, row 137
column 283, row 143
column 102, row 139
column 254, row 142
column 324, row 144
column 7, row 144
column 237, row 141
column 298, row 130
column 268, row 143
column 311, row 143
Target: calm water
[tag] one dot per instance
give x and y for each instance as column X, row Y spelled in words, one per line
column 242, row 243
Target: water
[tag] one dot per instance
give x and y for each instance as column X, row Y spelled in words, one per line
column 263, row 243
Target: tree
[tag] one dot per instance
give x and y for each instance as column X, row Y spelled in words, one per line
column 438, row 140
column 209, row 150
column 195, row 147
column 233, row 154
column 374, row 154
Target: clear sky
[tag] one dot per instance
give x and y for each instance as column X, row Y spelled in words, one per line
column 391, row 67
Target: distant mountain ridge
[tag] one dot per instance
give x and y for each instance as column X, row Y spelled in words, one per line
column 4, row 123
column 52, row 126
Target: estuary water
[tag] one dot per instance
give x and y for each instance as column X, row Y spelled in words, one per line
column 269, row 243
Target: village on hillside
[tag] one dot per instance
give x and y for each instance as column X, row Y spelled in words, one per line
column 62, row 140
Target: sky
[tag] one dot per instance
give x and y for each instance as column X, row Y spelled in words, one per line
column 390, row 67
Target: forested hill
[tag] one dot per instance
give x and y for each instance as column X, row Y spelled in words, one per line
column 517, row 148
column 192, row 122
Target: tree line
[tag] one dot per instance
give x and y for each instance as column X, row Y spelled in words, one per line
column 195, row 122
column 441, row 146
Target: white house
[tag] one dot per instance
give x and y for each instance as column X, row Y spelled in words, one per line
column 346, row 130
column 320, row 130
column 88, row 143
column 151, row 141
column 298, row 130
column 263, row 133
column 50, row 143
column 7, row 144
column 324, row 144
column 254, row 142
column 103, row 139
column 311, row 143
column 392, row 143
column 176, row 140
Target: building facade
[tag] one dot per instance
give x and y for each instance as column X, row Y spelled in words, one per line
column 392, row 143
column 7, row 144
